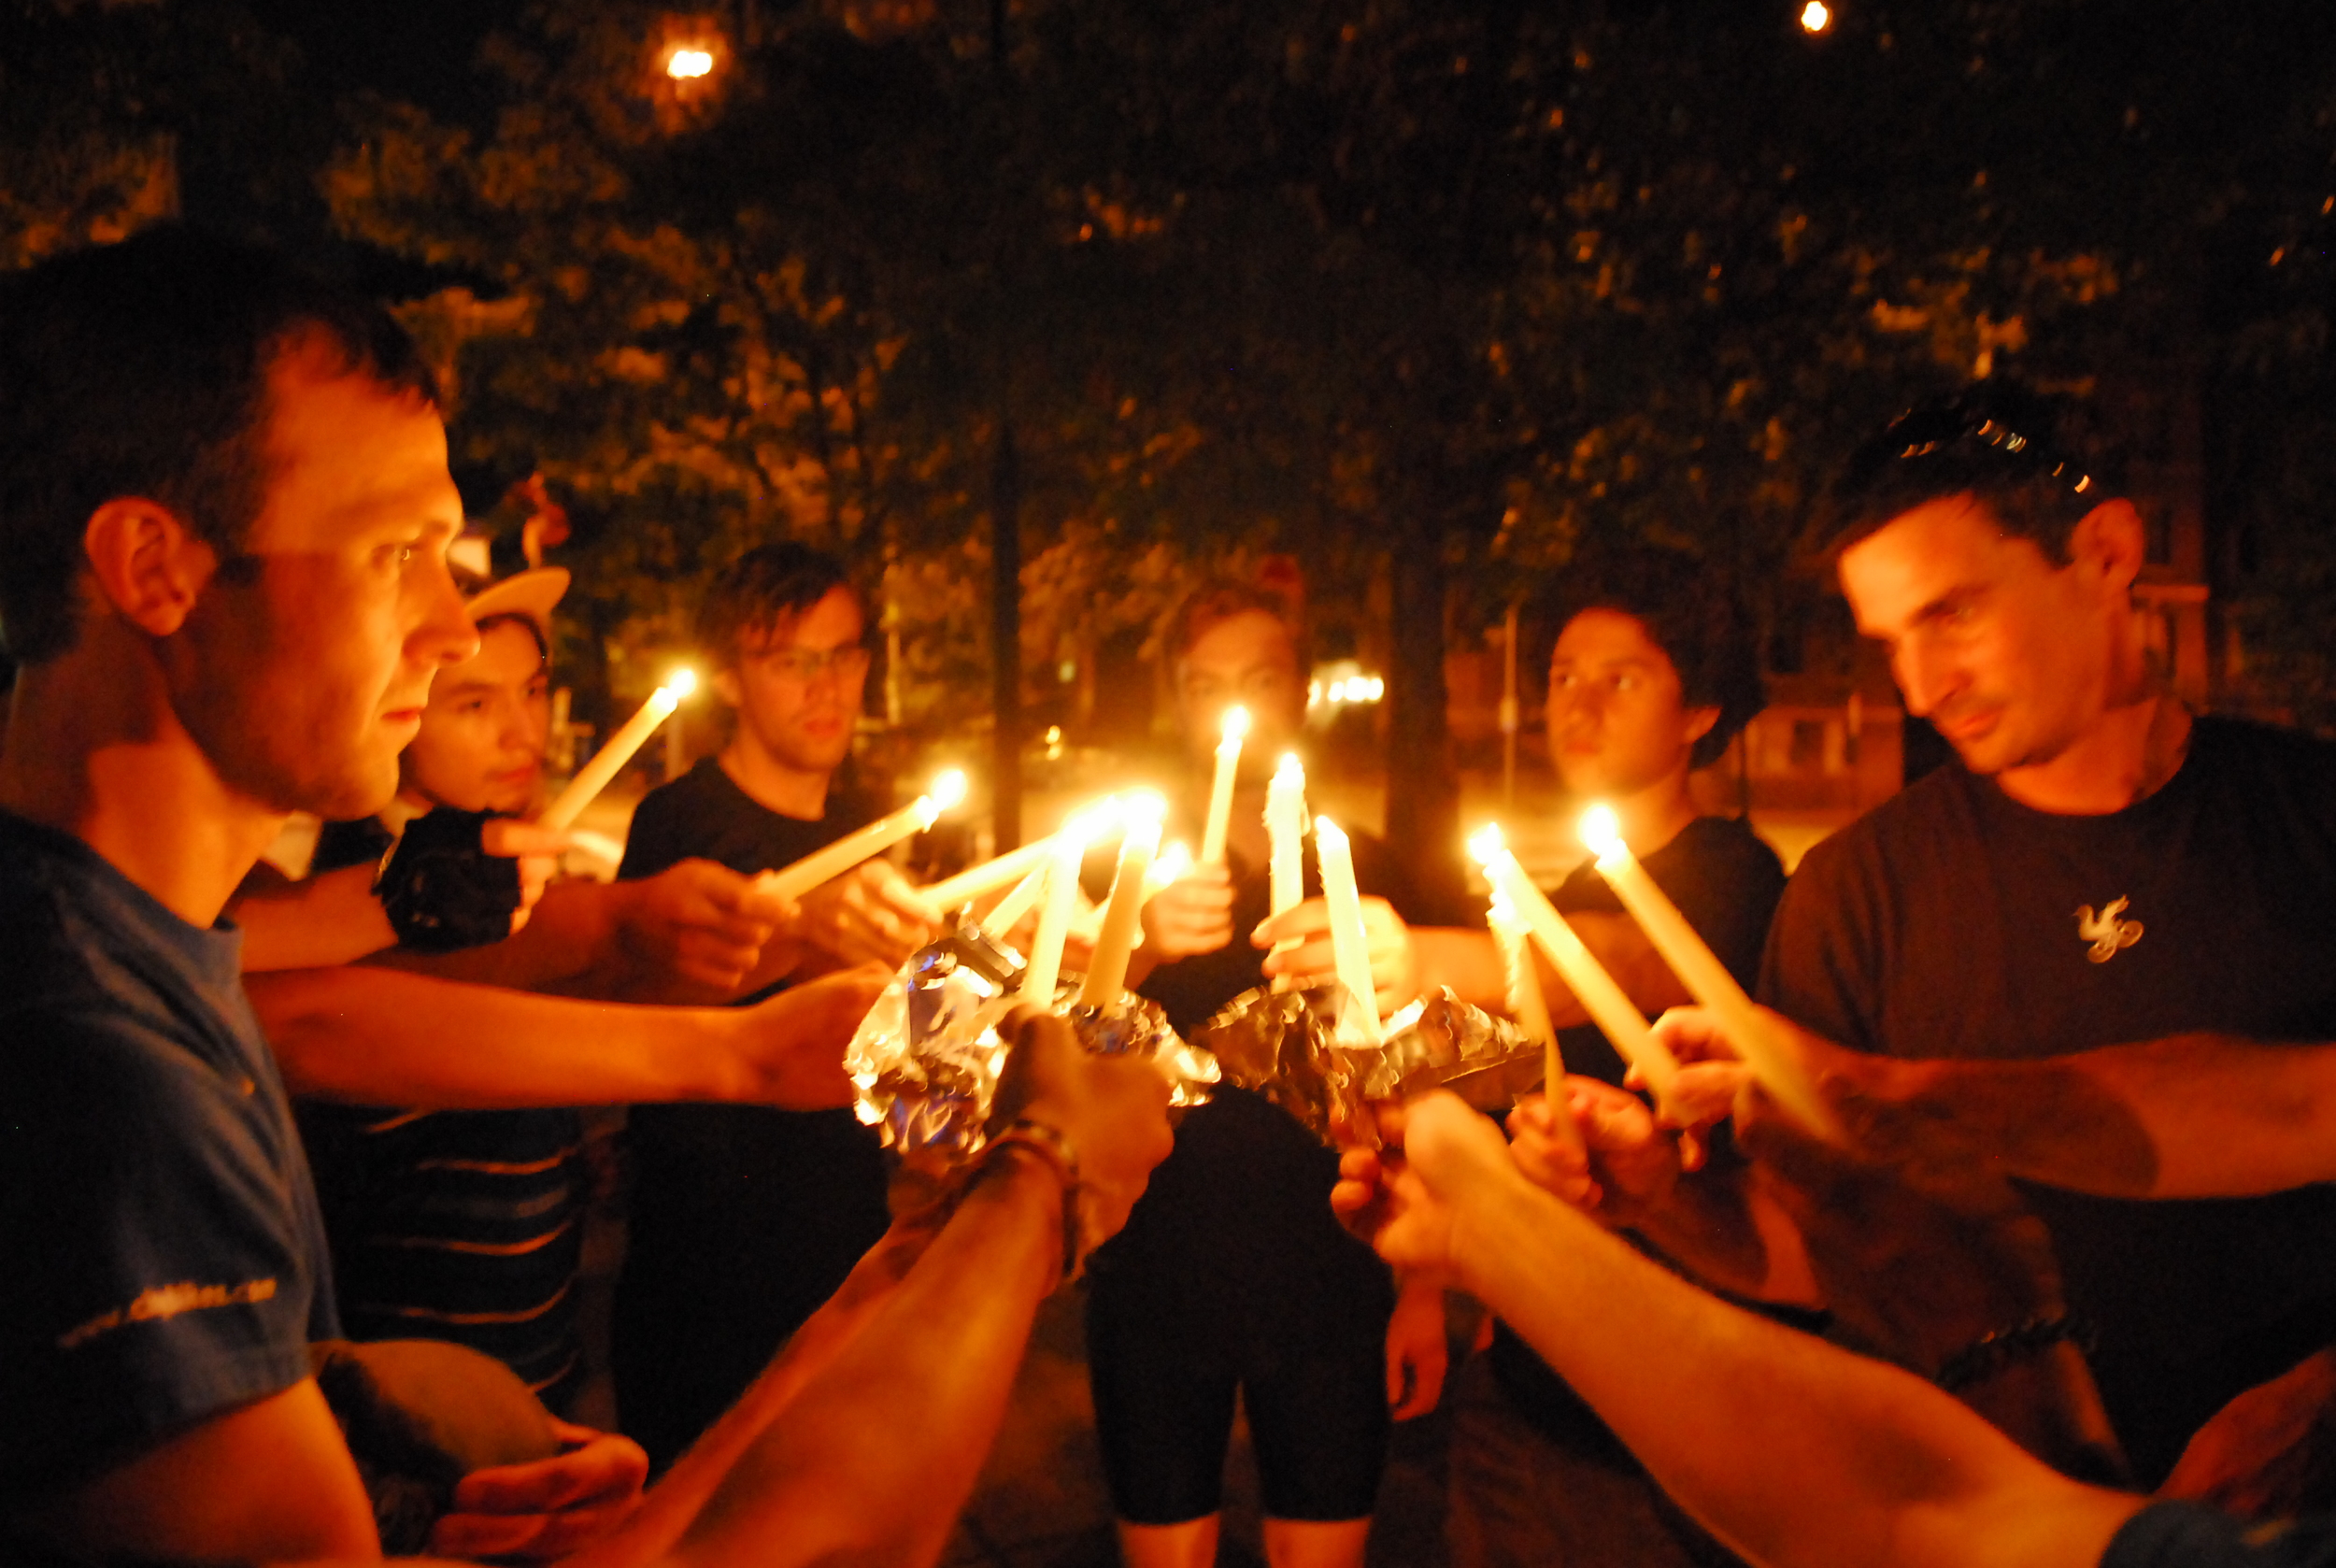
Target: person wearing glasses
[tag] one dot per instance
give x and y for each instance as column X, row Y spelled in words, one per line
column 744, row 1219
column 2099, row 866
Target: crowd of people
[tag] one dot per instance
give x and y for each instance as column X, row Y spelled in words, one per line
column 293, row 1178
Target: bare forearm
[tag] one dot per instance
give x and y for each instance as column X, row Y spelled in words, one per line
column 330, row 919
column 1722, row 1227
column 383, row 1037
column 877, row 1455
column 2194, row 1115
column 1732, row 1413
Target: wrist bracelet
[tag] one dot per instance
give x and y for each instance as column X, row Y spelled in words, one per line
column 1049, row 1142
column 1990, row 1353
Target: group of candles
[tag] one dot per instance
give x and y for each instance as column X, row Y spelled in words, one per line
column 1045, row 876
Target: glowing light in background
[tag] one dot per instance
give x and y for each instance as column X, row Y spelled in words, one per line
column 685, row 63
column 1816, row 17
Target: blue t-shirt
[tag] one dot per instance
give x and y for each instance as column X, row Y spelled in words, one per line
column 2185, row 1535
column 164, row 1261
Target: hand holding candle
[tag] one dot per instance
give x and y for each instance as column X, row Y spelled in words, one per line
column 1699, row 970
column 1220, row 787
column 873, row 839
column 594, row 776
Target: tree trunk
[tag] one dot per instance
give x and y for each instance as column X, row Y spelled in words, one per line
column 1005, row 640
column 1422, row 793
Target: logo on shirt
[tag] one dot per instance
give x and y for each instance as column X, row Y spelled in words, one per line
column 2108, row 932
column 168, row 1301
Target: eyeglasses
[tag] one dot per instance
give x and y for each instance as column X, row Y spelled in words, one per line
column 804, row 666
column 1934, row 429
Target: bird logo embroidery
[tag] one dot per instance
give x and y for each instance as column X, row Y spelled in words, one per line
column 2107, row 932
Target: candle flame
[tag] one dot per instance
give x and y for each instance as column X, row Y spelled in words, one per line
column 948, row 790
column 1291, row 771
column 1143, row 806
column 1488, row 844
column 1236, row 724
column 682, row 682
column 1603, row 831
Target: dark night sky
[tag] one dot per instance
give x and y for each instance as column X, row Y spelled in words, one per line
column 419, row 49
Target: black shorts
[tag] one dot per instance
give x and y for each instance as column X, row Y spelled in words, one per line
column 1234, row 1277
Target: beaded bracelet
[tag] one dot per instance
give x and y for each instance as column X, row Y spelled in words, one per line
column 1050, row 1143
column 1990, row 1353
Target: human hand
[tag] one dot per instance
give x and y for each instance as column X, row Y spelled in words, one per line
column 547, row 1508
column 1635, row 1163
column 1873, row 1101
column 701, row 922
column 1190, row 916
column 869, row 914
column 789, row 1049
column 1113, row 1111
column 1547, row 1145
column 1416, row 1351
column 1403, row 1199
column 1394, row 957
column 536, row 850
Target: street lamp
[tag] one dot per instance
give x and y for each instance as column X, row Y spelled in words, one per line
column 686, row 63
column 1816, row 17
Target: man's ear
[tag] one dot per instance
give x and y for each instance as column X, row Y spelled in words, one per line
column 147, row 562
column 1699, row 723
column 726, row 687
column 2112, row 541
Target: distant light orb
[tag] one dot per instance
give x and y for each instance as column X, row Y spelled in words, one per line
column 1816, row 17
column 684, row 63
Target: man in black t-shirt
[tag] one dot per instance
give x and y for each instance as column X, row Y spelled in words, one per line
column 2098, row 868
column 744, row 1220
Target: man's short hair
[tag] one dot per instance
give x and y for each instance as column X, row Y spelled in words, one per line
column 1215, row 600
column 141, row 369
column 1998, row 445
column 745, row 598
column 1688, row 612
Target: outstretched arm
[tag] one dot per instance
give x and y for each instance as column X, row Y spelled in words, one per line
column 2191, row 1116
column 383, row 1038
column 1730, row 1412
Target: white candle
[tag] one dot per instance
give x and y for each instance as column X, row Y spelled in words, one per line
column 1350, row 940
column 1107, row 971
column 1220, row 788
column 594, row 777
column 1045, row 968
column 1008, row 911
column 1526, row 1003
column 950, row 893
column 1285, row 834
column 821, row 865
column 1699, row 970
column 1600, row 997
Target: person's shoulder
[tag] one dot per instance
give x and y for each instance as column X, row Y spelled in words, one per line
column 1910, row 822
column 1729, row 842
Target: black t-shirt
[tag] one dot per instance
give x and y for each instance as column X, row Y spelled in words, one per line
column 166, row 1259
column 1726, row 881
column 742, row 1219
column 1952, row 921
column 2185, row 1535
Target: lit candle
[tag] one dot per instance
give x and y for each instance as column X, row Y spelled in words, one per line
column 1286, row 832
column 1008, row 911
column 1350, row 940
column 1107, row 971
column 820, row 865
column 1044, row 969
column 1220, row 788
column 1526, row 1003
column 1600, row 997
column 952, row 892
column 594, row 777
column 1699, row 969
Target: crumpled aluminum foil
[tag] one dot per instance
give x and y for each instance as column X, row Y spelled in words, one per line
column 1290, row 1048
column 926, row 1059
